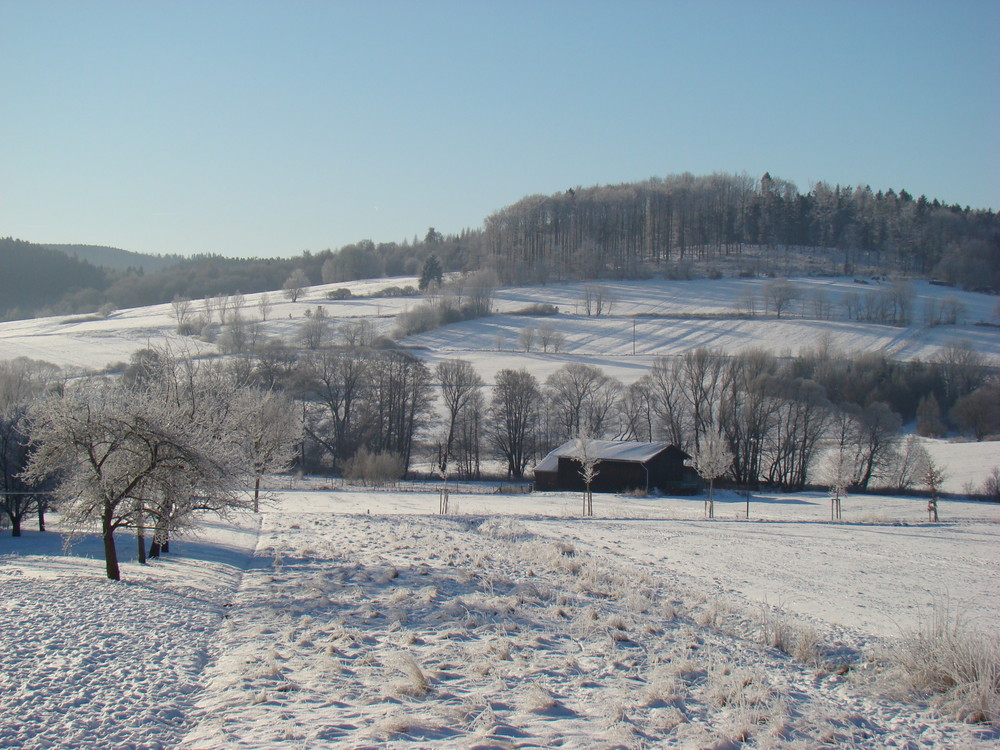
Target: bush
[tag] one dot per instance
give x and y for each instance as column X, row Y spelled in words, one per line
column 421, row 318
column 341, row 293
column 396, row 291
column 991, row 485
column 375, row 468
column 209, row 333
column 538, row 308
column 954, row 662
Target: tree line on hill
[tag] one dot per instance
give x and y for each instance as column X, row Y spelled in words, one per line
column 39, row 280
column 662, row 225
column 630, row 229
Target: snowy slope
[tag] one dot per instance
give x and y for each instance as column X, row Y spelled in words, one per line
column 606, row 341
column 362, row 620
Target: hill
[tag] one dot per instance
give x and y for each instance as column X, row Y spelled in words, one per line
column 118, row 259
column 677, row 227
column 35, row 277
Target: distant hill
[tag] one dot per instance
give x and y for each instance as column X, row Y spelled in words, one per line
column 118, row 259
column 35, row 277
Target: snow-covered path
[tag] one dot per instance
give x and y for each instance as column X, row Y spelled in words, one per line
column 92, row 663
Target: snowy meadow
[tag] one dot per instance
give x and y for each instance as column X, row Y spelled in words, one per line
column 346, row 616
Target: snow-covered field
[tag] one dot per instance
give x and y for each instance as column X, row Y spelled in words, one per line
column 491, row 343
column 355, row 619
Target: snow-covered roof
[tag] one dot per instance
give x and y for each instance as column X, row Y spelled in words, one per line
column 605, row 450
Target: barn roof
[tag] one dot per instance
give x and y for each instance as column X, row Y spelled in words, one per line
column 605, row 450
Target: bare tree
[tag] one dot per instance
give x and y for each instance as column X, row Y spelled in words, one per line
column 315, row 329
column 526, row 338
column 979, row 412
column 264, row 306
column 877, row 433
column 963, row 368
column 546, row 334
column 934, row 477
column 585, row 452
column 222, row 303
column 582, row 399
column 181, row 307
column 667, row 399
column 713, row 460
column 357, row 334
column 208, row 305
column 779, row 295
column 514, row 418
column 597, row 300
column 295, row 284
column 459, row 384
column 480, row 290
column 908, row 464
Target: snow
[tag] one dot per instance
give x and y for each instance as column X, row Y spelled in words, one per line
column 359, row 618
column 701, row 313
column 617, row 450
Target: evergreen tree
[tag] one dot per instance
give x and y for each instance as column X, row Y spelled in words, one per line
column 431, row 272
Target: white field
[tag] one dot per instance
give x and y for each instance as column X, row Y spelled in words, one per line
column 360, row 619
column 606, row 341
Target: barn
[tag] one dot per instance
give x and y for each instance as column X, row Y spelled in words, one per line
column 623, row 465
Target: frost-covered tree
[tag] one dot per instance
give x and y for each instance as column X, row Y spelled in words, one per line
column 877, row 432
column 712, row 461
column 908, row 464
column 934, row 477
column 295, row 284
column 122, row 455
column 585, row 452
column 315, row 329
column 836, row 471
column 271, row 432
column 22, row 382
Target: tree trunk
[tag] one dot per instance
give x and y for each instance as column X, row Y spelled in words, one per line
column 110, row 553
column 256, row 494
column 41, row 516
column 15, row 524
column 154, row 548
column 140, row 538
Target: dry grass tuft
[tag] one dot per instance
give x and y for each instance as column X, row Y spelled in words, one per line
column 956, row 662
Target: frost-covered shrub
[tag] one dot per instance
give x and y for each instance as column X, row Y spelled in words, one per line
column 956, row 662
column 375, row 468
column 502, row 528
column 423, row 317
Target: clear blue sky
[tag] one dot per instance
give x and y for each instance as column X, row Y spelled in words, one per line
column 267, row 128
